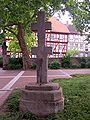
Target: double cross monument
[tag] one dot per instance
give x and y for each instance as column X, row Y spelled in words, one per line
column 41, row 51
column 45, row 97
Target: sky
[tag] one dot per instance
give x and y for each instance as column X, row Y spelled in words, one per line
column 66, row 18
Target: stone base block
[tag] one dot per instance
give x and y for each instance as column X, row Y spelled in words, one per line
column 43, row 99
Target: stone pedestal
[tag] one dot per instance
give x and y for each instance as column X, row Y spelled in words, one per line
column 42, row 99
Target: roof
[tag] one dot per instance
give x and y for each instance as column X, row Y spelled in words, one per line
column 72, row 28
column 57, row 26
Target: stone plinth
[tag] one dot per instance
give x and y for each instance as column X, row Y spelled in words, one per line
column 42, row 99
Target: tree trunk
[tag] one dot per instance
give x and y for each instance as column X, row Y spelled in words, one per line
column 24, row 50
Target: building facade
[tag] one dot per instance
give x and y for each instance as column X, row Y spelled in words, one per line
column 64, row 37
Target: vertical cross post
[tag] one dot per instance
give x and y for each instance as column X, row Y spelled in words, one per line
column 41, row 51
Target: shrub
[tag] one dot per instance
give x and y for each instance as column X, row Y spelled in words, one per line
column 75, row 66
column 14, row 67
column 83, row 64
column 11, row 66
column 88, row 59
column 18, row 66
column 83, row 59
column 66, row 61
column 15, row 63
column 33, row 66
column 88, row 64
column 15, row 60
column 54, row 65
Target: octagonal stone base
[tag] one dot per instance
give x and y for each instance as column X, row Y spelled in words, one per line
column 42, row 99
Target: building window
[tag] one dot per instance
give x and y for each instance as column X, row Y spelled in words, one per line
column 52, row 37
column 76, row 45
column 71, row 46
column 81, row 46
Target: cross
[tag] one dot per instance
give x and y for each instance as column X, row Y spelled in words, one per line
column 41, row 51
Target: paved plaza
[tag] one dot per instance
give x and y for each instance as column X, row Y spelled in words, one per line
column 12, row 79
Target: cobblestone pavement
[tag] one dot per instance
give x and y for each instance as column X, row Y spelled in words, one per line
column 13, row 79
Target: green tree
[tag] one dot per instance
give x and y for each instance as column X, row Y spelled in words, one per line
column 14, row 45
column 20, row 13
column 72, row 52
column 66, row 60
column 80, row 11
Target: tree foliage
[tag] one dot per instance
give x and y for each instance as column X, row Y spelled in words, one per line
column 14, row 45
column 30, row 40
column 21, row 13
column 80, row 11
column 72, row 52
column 18, row 11
column 13, row 12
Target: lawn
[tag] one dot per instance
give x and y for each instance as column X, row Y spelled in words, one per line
column 77, row 102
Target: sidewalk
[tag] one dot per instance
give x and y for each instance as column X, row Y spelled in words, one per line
column 13, row 79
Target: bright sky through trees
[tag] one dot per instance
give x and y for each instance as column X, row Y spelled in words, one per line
column 64, row 18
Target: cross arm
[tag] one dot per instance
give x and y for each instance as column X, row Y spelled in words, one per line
column 36, row 50
column 34, row 26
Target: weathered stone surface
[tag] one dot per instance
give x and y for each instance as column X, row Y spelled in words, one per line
column 42, row 108
column 35, row 95
column 43, row 87
column 41, row 51
column 42, row 101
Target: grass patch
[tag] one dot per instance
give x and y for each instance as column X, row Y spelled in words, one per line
column 77, row 101
column 13, row 100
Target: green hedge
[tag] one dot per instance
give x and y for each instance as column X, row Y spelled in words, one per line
column 75, row 66
column 54, row 65
column 88, row 64
column 85, row 62
column 15, row 63
column 66, row 62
